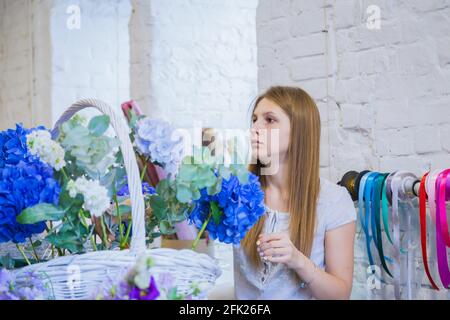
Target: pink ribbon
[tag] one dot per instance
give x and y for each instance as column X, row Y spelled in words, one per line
column 442, row 235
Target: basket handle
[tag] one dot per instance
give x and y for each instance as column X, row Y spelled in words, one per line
column 129, row 157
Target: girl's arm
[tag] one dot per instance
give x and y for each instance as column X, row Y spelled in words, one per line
column 336, row 281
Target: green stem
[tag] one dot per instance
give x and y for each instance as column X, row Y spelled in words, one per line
column 60, row 252
column 53, row 247
column 84, row 222
column 194, row 244
column 104, row 239
column 144, row 169
column 65, row 174
column 116, row 202
column 94, row 245
column 127, row 235
column 23, row 254
column 34, row 250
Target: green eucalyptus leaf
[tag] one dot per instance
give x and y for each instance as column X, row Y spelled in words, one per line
column 196, row 194
column 216, row 188
column 40, row 212
column 158, row 206
column 187, row 172
column 165, row 227
column 98, row 125
column 224, row 172
column 243, row 176
column 184, row 194
column 66, row 240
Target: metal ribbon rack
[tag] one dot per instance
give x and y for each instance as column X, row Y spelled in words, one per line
column 396, row 211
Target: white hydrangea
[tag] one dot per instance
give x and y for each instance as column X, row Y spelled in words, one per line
column 40, row 144
column 96, row 199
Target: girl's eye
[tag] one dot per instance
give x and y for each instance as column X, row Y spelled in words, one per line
column 254, row 119
column 270, row 120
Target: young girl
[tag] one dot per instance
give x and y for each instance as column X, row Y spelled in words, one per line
column 302, row 248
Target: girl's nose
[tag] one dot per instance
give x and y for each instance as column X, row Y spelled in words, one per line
column 255, row 132
column 257, row 125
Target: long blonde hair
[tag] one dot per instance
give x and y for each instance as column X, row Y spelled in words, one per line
column 303, row 166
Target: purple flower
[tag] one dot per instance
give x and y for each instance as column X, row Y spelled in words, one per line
column 33, row 288
column 241, row 205
column 151, row 293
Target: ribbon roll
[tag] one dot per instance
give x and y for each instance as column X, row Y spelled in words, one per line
column 430, row 186
column 370, row 227
column 375, row 206
column 441, row 187
column 363, row 210
column 442, row 228
column 385, row 205
column 423, row 229
column 399, row 192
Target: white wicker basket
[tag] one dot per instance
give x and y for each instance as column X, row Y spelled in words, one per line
column 78, row 276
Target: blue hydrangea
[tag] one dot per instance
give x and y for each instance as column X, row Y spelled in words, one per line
column 13, row 146
column 24, row 182
column 242, row 206
column 146, row 189
column 158, row 140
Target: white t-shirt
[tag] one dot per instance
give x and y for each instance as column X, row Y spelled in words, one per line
column 274, row 280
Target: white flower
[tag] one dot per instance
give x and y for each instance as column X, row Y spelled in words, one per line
column 96, row 199
column 141, row 269
column 40, row 144
column 72, row 188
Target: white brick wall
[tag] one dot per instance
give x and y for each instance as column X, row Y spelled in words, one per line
column 46, row 66
column 92, row 61
column 384, row 95
column 194, row 61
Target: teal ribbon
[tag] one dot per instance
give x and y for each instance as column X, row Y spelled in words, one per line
column 379, row 183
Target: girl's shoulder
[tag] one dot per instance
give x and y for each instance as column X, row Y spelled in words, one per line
column 335, row 204
column 331, row 192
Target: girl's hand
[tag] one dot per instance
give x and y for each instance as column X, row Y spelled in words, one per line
column 278, row 247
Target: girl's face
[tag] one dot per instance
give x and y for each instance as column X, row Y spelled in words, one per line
column 271, row 128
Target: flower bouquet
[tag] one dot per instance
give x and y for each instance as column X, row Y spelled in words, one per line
column 83, row 197
column 223, row 199
column 71, row 189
